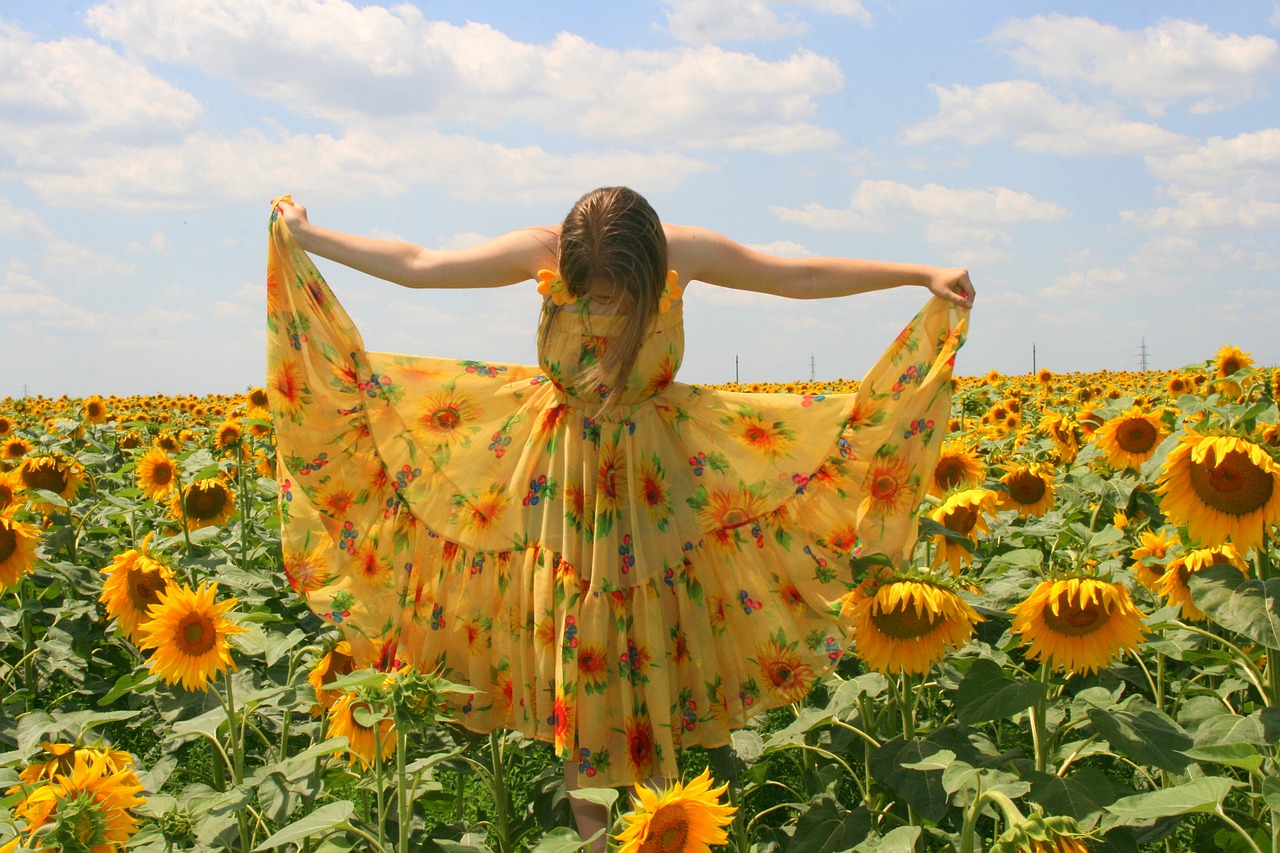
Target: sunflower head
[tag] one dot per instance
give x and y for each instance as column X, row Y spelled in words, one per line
column 1028, row 489
column 905, row 625
column 348, row 717
column 18, row 542
column 51, row 472
column 133, row 583
column 157, row 473
column 204, row 503
column 1078, row 624
column 189, row 636
column 681, row 818
column 964, row 513
column 957, row 467
column 1131, row 438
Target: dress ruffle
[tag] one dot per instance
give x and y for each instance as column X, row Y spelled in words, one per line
column 620, row 584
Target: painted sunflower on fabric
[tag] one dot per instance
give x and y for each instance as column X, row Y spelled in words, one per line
column 1173, row 583
column 1078, row 624
column 1222, row 488
column 134, row 582
column 189, row 636
column 904, row 625
column 963, row 513
column 685, row 818
column 958, row 467
column 363, row 741
column 18, row 542
column 1029, row 489
column 1130, row 439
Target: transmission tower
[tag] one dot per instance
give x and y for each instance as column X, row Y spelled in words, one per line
column 812, row 368
column 1142, row 354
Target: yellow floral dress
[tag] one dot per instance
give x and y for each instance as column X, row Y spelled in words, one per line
column 620, row 586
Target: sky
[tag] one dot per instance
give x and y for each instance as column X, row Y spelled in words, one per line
column 1108, row 172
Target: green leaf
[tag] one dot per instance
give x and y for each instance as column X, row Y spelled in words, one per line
column 1084, row 795
column 1240, row 755
column 1199, row 795
column 987, row 693
column 322, row 820
column 138, row 681
column 1144, row 733
column 1248, row 607
column 1271, row 793
column 562, row 839
column 600, row 796
column 923, row 790
column 828, row 827
column 901, row 840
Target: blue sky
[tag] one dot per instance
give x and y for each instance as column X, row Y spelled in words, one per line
column 1109, row 172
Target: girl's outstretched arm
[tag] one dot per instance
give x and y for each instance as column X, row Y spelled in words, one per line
column 707, row 256
column 508, row 259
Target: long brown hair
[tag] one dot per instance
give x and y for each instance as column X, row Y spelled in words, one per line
column 613, row 234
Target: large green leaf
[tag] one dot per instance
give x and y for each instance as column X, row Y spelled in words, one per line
column 1084, row 795
column 1144, row 733
column 562, row 839
column 1248, row 607
column 988, row 693
column 828, row 827
column 1199, row 795
column 901, row 840
column 322, row 820
column 922, row 789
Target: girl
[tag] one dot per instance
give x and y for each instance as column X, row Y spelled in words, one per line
column 620, row 564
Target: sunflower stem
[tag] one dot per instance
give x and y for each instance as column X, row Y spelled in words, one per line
column 379, row 792
column 498, row 784
column 1039, row 734
column 1248, row 839
column 235, row 734
column 24, row 592
column 402, row 783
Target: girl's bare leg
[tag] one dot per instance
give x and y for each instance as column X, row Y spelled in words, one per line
column 590, row 817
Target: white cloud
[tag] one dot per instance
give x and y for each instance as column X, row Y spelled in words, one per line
column 1200, row 211
column 876, row 203
column 65, row 257
column 1037, row 120
column 1173, row 60
column 1250, row 159
column 701, row 21
column 22, row 222
column 355, row 65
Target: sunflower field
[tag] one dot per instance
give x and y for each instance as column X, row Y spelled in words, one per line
column 1078, row 659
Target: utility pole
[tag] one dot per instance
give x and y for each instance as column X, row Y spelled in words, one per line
column 1033, row 357
column 736, row 381
column 812, row 368
column 1142, row 354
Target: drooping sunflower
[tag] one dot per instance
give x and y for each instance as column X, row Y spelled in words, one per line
column 1221, row 487
column 52, row 472
column 157, row 474
column 903, row 625
column 1079, row 624
column 362, row 741
column 133, row 584
column 204, row 503
column 1173, row 583
column 1065, row 434
column 684, row 818
column 336, row 662
column 1153, row 546
column 1030, row 489
column 89, row 807
column 964, row 513
column 18, row 542
column 1131, row 439
column 60, row 760
column 958, row 467
column 189, row 633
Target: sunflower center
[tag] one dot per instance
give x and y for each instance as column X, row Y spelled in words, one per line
column 144, row 589
column 206, row 501
column 949, row 473
column 1073, row 619
column 904, row 623
column 961, row 519
column 1136, row 435
column 47, row 476
column 196, row 635
column 1234, row 486
column 1025, row 487
column 161, row 475
column 8, row 544
column 668, row 830
column 1229, row 365
column 445, row 418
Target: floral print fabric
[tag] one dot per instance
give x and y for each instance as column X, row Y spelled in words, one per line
column 619, row 584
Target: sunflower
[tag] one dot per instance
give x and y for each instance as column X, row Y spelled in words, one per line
column 336, row 662
column 88, row 806
column 157, row 474
column 15, row 448
column 363, row 741
column 228, row 434
column 61, row 761
column 785, row 674
column 190, row 635
column 51, row 472
column 682, row 819
column 768, row 439
column 1177, row 386
column 1221, row 487
column 1065, row 434
column 1226, row 362
column 1173, row 583
column 6, row 426
column 257, row 399
column 907, row 625
column 95, row 410
column 890, row 487
column 168, row 442
column 1079, row 624
column 1029, row 489
column 134, row 583
column 1153, row 546
column 18, row 542
column 10, row 487
column 961, row 513
column 1130, row 439
column 1044, row 378
column 204, row 503
column 958, row 467
column 446, row 418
